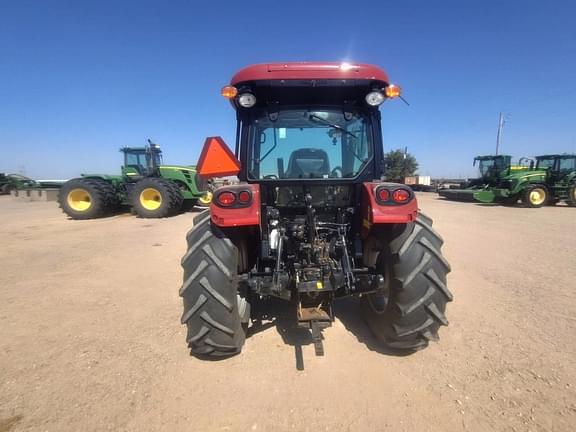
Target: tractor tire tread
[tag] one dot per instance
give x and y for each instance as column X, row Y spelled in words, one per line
column 211, row 302
column 105, row 198
column 418, row 291
column 173, row 197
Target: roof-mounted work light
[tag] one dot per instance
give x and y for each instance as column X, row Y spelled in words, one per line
column 246, row 100
column 375, row 98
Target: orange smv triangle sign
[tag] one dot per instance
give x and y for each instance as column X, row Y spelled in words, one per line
column 217, row 160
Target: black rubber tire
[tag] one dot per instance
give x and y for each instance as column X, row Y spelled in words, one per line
column 103, row 197
column 171, row 198
column 5, row 189
column 571, row 201
column 213, row 309
column 509, row 201
column 410, row 314
column 526, row 196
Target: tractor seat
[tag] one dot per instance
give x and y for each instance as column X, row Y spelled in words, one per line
column 308, row 163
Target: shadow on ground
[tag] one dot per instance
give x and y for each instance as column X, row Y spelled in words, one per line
column 282, row 315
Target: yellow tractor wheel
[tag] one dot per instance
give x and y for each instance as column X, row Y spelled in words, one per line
column 151, row 199
column 206, row 199
column 571, row 201
column 88, row 198
column 79, row 199
column 535, row 196
column 156, row 198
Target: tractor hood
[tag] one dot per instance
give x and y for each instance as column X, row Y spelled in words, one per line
column 526, row 174
column 191, row 168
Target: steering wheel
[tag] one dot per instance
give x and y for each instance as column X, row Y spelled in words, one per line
column 334, row 172
column 271, row 177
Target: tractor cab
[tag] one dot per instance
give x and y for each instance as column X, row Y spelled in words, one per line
column 492, row 167
column 557, row 166
column 140, row 162
column 299, row 129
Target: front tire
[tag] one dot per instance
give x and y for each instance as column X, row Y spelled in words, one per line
column 87, row 198
column 6, row 189
column 205, row 200
column 509, row 201
column 156, row 198
column 407, row 316
column 213, row 309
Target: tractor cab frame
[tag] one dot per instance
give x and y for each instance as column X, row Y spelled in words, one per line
column 140, row 162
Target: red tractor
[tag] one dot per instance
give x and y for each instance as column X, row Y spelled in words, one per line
column 311, row 220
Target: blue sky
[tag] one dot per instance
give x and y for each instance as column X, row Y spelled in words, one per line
column 79, row 79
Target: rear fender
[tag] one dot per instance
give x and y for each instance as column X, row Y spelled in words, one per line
column 374, row 213
column 245, row 215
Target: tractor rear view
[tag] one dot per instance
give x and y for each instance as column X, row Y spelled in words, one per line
column 311, row 220
column 151, row 189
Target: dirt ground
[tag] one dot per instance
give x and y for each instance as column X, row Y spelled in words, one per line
column 90, row 337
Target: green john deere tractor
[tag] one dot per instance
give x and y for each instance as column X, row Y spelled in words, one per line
column 492, row 168
column 151, row 189
column 552, row 180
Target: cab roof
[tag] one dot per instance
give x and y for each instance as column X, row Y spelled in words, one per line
column 309, row 71
column 552, row 156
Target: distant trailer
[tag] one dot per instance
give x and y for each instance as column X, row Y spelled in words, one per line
column 418, row 180
column 420, row 183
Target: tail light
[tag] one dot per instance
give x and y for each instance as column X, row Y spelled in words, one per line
column 393, row 194
column 233, row 198
column 226, row 199
column 383, row 194
column 400, row 196
column 244, row 197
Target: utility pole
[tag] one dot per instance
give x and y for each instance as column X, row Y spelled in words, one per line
column 501, row 122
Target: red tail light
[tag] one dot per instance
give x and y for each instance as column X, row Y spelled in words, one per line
column 383, row 194
column 226, row 199
column 233, row 197
column 392, row 194
column 244, row 197
column 401, row 196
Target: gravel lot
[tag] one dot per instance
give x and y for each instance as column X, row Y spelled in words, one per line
column 90, row 337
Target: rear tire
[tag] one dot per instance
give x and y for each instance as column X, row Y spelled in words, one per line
column 87, row 198
column 408, row 315
column 535, row 196
column 156, row 198
column 214, row 312
column 571, row 201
